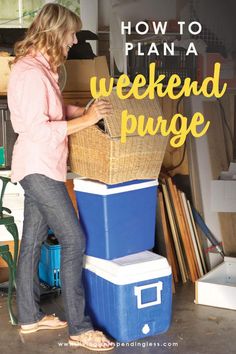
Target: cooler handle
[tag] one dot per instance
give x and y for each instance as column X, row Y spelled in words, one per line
column 138, row 293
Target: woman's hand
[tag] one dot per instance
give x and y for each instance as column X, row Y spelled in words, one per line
column 98, row 110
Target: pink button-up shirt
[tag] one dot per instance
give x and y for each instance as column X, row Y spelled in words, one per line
column 38, row 116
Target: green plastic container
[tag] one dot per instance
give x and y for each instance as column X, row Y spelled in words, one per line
column 2, row 156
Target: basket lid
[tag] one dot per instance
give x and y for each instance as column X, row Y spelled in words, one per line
column 145, row 107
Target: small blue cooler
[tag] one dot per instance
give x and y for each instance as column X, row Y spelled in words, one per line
column 117, row 219
column 50, row 263
column 129, row 297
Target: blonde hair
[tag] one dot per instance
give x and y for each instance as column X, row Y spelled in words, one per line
column 47, row 32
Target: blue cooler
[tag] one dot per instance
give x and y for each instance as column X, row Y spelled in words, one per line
column 129, row 297
column 117, row 219
column 50, row 264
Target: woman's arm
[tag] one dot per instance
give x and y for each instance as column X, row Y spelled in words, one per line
column 31, row 93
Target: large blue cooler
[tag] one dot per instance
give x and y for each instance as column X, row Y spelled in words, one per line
column 118, row 220
column 129, row 297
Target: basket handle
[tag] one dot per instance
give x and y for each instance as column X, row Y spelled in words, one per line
column 100, row 123
column 89, row 104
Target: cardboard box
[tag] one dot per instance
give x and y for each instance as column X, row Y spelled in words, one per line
column 218, row 287
column 79, row 72
column 4, row 73
column 206, row 65
column 3, row 264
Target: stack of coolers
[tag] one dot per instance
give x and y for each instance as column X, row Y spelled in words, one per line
column 128, row 288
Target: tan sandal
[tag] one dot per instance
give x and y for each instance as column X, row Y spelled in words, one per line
column 47, row 322
column 92, row 340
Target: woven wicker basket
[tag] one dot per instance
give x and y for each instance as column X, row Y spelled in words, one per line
column 100, row 155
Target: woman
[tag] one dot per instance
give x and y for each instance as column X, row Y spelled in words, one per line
column 39, row 164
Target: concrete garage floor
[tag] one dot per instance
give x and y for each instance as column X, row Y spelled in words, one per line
column 194, row 329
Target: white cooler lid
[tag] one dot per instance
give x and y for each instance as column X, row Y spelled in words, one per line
column 129, row 269
column 94, row 187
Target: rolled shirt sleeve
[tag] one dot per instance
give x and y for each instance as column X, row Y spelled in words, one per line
column 70, row 110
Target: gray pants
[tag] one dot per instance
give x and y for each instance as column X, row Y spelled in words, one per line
column 47, row 204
